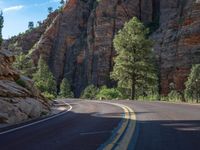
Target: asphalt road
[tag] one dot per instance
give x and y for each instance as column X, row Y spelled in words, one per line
column 164, row 126
column 160, row 126
column 85, row 127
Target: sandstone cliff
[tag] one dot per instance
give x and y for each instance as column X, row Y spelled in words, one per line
column 19, row 100
column 78, row 42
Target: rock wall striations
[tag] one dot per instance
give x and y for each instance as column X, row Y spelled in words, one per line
column 177, row 41
column 19, row 100
column 78, row 42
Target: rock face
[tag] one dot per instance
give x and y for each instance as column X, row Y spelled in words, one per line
column 25, row 41
column 19, row 100
column 177, row 41
column 78, row 42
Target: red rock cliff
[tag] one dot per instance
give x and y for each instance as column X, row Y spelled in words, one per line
column 78, row 42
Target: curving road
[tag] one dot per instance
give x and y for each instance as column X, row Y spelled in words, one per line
column 166, row 126
column 160, row 126
column 85, row 127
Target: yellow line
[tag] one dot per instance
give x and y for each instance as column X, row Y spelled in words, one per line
column 127, row 130
column 120, row 131
column 124, row 143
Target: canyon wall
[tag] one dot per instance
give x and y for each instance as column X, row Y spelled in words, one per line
column 78, row 42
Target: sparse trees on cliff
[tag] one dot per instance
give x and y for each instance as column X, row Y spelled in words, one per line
column 44, row 79
column 30, row 25
column 24, row 65
column 65, row 89
column 39, row 23
column 62, row 3
column 133, row 68
column 1, row 26
column 50, row 10
column 192, row 90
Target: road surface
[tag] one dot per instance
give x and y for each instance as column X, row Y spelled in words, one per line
column 160, row 126
column 165, row 126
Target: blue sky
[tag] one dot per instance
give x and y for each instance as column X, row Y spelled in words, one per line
column 17, row 14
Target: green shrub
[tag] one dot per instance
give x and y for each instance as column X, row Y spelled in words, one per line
column 174, row 96
column 109, row 94
column 192, row 91
column 90, row 92
column 65, row 89
column 48, row 95
column 21, row 82
column 44, row 79
column 152, row 97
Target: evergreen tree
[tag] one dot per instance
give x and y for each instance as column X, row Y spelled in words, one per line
column 65, row 89
column 192, row 90
column 62, row 3
column 90, row 92
column 1, row 27
column 50, row 10
column 39, row 23
column 44, row 79
column 24, row 65
column 31, row 25
column 133, row 68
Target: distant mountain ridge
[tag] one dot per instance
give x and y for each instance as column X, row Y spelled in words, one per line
column 77, row 42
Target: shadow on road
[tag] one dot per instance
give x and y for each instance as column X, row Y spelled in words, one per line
column 167, row 134
column 87, row 131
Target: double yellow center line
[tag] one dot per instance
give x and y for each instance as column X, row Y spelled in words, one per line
column 122, row 137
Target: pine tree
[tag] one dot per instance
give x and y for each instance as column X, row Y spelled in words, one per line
column 44, row 79
column 30, row 25
column 1, row 27
column 62, row 2
column 133, row 68
column 90, row 92
column 24, row 65
column 192, row 90
column 50, row 10
column 65, row 89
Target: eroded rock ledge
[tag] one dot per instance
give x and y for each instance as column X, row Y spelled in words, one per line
column 18, row 103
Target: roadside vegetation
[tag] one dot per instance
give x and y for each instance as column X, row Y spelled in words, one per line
column 135, row 71
column 44, row 80
column 65, row 89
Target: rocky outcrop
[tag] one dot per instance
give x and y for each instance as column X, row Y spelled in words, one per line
column 103, row 24
column 19, row 100
column 64, row 44
column 78, row 43
column 24, row 42
column 177, row 41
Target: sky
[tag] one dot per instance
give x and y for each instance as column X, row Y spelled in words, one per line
column 17, row 14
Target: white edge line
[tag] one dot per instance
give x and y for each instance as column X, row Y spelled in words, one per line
column 43, row 120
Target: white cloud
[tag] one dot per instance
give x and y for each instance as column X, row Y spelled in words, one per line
column 45, row 3
column 13, row 8
column 54, row 1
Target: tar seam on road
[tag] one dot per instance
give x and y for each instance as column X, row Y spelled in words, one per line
column 43, row 120
column 95, row 132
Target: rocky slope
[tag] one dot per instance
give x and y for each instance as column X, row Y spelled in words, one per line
column 78, row 42
column 19, row 100
column 25, row 41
